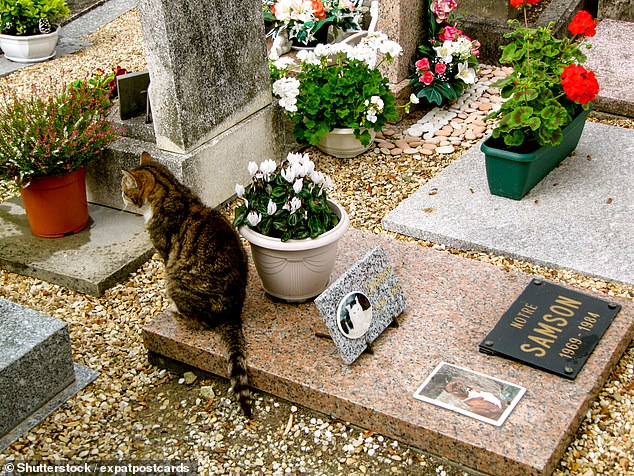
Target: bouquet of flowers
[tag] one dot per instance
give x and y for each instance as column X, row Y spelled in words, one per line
column 307, row 21
column 337, row 85
column 548, row 87
column 286, row 201
column 449, row 57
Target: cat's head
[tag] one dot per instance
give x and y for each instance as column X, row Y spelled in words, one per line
column 136, row 184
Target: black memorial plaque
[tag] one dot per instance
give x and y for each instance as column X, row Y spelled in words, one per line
column 551, row 328
column 133, row 88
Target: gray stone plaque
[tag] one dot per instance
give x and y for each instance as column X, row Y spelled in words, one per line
column 361, row 303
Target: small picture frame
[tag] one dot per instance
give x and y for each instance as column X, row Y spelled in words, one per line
column 470, row 393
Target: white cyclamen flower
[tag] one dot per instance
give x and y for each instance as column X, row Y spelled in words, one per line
column 298, row 185
column 271, row 207
column 254, row 218
column 295, row 204
column 288, row 174
column 253, row 168
column 317, row 177
column 466, row 74
column 267, row 168
column 239, row 190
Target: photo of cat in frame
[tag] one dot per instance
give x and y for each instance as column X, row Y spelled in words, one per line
column 354, row 314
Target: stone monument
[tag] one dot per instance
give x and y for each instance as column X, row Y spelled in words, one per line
column 210, row 98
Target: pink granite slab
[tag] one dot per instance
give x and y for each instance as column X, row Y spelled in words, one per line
column 454, row 302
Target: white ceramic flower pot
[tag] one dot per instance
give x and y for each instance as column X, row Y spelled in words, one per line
column 341, row 142
column 31, row 48
column 296, row 270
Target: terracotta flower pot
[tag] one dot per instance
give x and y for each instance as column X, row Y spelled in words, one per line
column 56, row 206
column 296, row 270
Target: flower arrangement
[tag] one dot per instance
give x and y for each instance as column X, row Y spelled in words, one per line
column 101, row 79
column 307, row 21
column 286, row 201
column 30, row 17
column 449, row 57
column 548, row 87
column 337, row 85
column 52, row 135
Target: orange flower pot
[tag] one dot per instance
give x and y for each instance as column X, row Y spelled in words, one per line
column 56, row 206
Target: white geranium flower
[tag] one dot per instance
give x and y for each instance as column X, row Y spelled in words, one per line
column 253, row 168
column 283, row 63
column 298, row 185
column 308, row 57
column 287, row 89
column 377, row 102
column 414, row 99
column 271, row 207
column 370, row 115
column 466, row 74
column 254, row 218
column 239, row 190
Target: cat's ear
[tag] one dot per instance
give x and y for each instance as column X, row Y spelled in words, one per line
column 146, row 158
column 129, row 180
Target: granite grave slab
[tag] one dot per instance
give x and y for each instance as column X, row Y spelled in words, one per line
column 114, row 245
column 453, row 303
column 579, row 217
column 37, row 373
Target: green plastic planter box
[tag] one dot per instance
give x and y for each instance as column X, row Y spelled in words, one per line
column 513, row 175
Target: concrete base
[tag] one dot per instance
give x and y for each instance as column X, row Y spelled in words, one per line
column 454, row 302
column 211, row 170
column 579, row 217
column 37, row 373
column 114, row 245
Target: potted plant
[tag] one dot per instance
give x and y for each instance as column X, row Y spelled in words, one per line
column 338, row 86
column 450, row 58
column 549, row 97
column 306, row 22
column 291, row 225
column 28, row 29
column 45, row 142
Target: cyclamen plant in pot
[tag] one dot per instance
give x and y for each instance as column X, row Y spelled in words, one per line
column 292, row 226
column 51, row 138
column 28, row 29
column 307, row 21
column 450, row 58
column 337, row 86
column 549, row 96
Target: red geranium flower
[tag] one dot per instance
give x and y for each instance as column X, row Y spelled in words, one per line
column 427, row 78
column 580, row 85
column 582, row 24
column 519, row 3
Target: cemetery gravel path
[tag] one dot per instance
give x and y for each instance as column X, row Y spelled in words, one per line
column 137, row 412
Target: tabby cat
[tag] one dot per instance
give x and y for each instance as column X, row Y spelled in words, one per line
column 205, row 262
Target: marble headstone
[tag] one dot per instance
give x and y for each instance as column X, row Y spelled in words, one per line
column 361, row 304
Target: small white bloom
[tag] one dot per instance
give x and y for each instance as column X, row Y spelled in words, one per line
column 414, row 99
column 254, row 218
column 466, row 74
column 283, row 63
column 378, row 103
column 271, row 207
column 253, row 168
column 317, row 177
column 239, row 190
column 444, row 52
column 294, row 158
column 288, row 174
column 298, row 185
column 307, row 57
column 267, row 168
column 287, row 89
column 295, row 204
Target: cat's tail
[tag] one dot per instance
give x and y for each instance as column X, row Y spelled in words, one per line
column 237, row 364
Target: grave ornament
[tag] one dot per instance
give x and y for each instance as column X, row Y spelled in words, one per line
column 361, row 304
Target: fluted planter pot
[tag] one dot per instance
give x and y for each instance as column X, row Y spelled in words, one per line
column 513, row 175
column 341, row 142
column 296, row 270
column 29, row 48
column 56, row 206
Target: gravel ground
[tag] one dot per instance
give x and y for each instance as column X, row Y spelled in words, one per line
column 135, row 411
